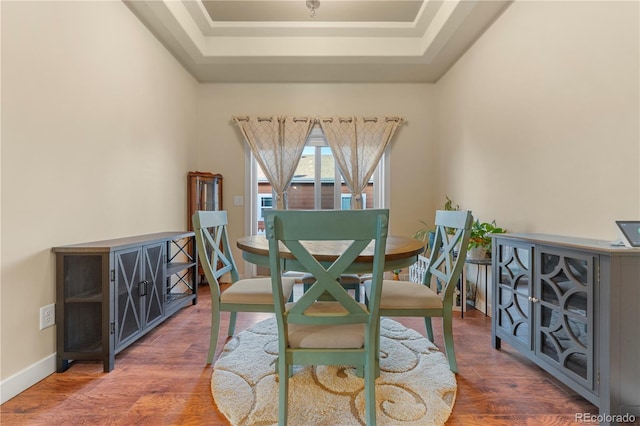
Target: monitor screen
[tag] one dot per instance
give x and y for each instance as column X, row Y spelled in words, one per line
column 630, row 232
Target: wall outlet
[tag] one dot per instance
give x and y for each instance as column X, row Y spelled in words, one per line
column 47, row 316
column 238, row 200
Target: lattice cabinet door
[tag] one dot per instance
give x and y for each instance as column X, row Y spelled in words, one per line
column 564, row 332
column 153, row 288
column 512, row 269
column 128, row 304
column 139, row 284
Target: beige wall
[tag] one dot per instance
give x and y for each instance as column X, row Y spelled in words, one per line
column 98, row 132
column 538, row 124
column 221, row 147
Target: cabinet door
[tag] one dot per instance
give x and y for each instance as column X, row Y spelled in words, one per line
column 513, row 288
column 564, row 332
column 204, row 193
column 128, row 303
column 153, row 288
column 207, row 194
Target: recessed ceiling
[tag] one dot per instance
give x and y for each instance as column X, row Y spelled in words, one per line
column 328, row 11
column 346, row 41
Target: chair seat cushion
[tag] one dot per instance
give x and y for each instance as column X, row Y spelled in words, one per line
column 406, row 295
column 255, row 291
column 333, row 336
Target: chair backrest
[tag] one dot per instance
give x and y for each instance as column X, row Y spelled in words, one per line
column 453, row 229
column 214, row 251
column 297, row 229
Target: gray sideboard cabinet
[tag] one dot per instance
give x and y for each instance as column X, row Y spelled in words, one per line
column 110, row 293
column 572, row 306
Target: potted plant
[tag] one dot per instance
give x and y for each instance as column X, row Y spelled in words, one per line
column 449, row 205
column 480, row 239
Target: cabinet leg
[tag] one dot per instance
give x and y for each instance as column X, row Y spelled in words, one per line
column 108, row 363
column 62, row 365
column 495, row 342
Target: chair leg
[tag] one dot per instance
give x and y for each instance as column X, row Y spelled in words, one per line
column 427, row 324
column 447, row 331
column 377, row 351
column 213, row 339
column 370, row 390
column 283, row 389
column 232, row 323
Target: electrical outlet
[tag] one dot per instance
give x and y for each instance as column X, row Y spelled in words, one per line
column 47, row 316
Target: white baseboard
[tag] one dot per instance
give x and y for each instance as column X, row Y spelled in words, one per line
column 22, row 380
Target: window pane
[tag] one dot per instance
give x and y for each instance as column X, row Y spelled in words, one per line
column 300, row 192
column 327, row 178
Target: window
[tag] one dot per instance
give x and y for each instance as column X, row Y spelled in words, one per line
column 317, row 184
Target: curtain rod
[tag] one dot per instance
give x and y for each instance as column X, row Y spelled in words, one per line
column 317, row 120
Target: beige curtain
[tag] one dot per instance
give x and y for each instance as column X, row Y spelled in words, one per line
column 357, row 144
column 277, row 143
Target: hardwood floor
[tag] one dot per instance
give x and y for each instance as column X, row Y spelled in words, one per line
column 163, row 380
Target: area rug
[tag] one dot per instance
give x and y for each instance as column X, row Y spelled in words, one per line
column 415, row 386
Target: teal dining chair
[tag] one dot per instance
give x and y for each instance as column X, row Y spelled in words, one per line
column 216, row 259
column 340, row 331
column 408, row 299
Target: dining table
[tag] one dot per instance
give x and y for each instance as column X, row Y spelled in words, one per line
column 401, row 252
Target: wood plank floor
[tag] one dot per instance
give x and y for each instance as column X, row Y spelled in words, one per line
column 163, row 380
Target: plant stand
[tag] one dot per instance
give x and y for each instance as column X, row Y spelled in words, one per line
column 480, row 263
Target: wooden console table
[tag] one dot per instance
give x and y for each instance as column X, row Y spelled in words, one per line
column 110, row 293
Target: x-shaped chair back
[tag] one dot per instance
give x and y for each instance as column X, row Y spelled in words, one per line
column 300, row 229
column 445, row 262
column 213, row 244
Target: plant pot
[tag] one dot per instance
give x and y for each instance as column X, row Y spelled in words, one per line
column 477, row 253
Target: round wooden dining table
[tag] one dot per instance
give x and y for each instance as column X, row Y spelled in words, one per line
column 401, row 252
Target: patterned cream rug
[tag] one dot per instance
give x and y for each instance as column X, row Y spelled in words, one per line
column 415, row 386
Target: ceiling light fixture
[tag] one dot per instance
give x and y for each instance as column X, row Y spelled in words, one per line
column 313, row 5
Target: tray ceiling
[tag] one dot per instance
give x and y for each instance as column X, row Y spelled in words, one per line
column 346, row 41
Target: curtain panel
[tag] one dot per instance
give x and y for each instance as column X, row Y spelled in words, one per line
column 277, row 143
column 357, row 144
